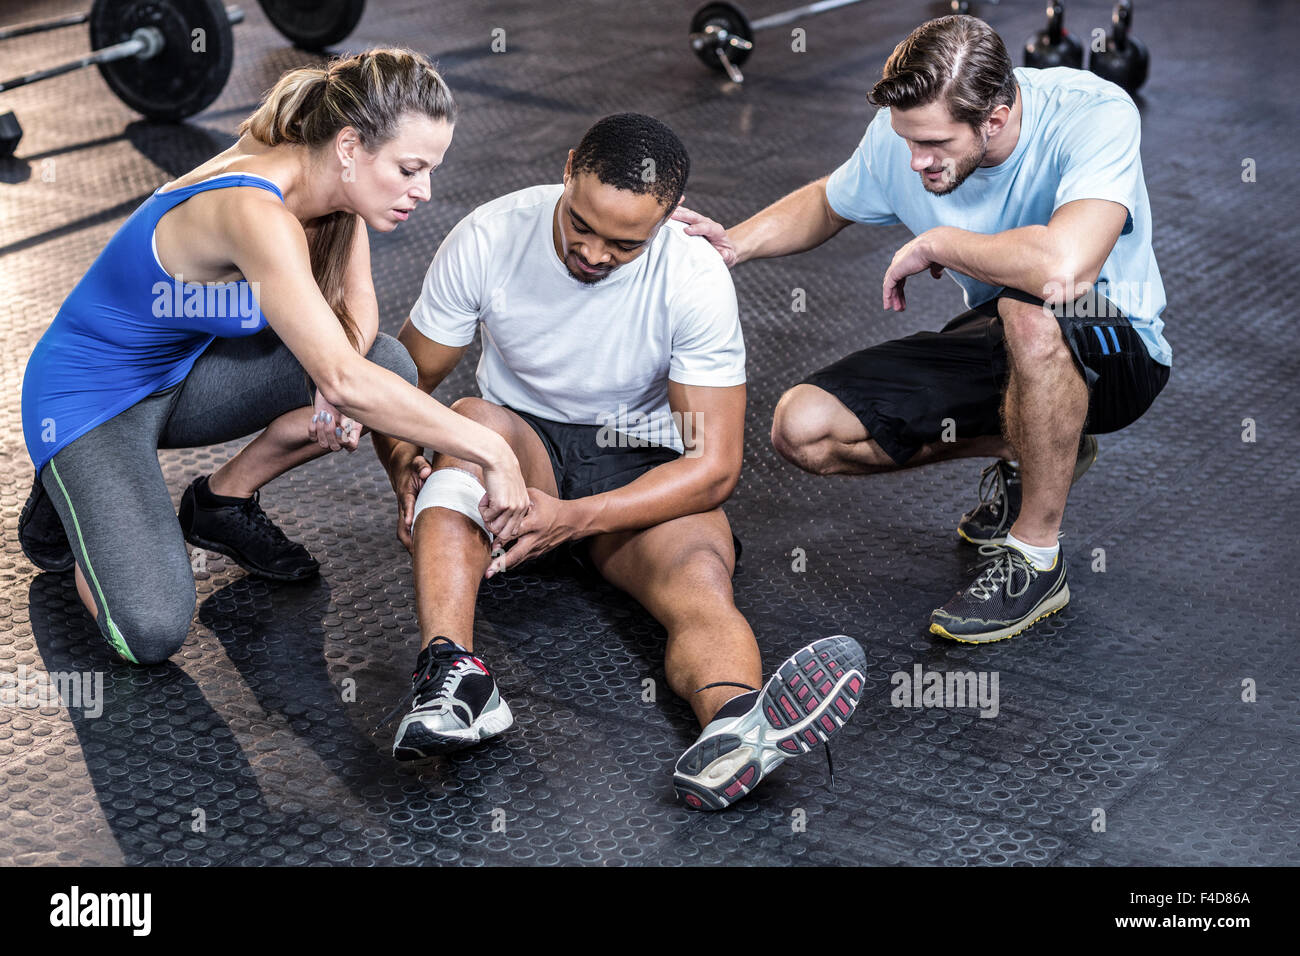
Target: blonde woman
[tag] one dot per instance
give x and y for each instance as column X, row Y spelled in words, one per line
column 235, row 299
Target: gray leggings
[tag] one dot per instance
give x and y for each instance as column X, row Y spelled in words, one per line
column 108, row 487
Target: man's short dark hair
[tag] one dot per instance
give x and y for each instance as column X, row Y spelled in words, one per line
column 635, row 152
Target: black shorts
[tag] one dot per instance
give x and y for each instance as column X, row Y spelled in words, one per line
column 583, row 466
column 903, row 390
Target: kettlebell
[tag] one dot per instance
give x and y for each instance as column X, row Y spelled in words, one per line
column 1054, row 46
column 1125, row 59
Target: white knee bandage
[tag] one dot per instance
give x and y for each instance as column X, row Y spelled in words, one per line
column 454, row 489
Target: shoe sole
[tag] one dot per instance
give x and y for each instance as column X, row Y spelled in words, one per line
column 1046, row 608
column 416, row 741
column 33, row 502
column 830, row 675
column 1081, row 465
column 250, row 568
column 966, row 537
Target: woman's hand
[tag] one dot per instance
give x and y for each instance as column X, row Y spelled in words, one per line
column 506, row 503
column 331, row 429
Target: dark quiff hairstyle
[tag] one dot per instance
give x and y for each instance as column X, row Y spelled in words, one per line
column 371, row 92
column 958, row 58
column 635, row 152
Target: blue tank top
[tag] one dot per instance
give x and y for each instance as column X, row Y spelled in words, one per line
column 128, row 329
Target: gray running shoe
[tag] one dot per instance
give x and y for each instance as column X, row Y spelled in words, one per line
column 1007, row 596
column 810, row 697
column 992, row 518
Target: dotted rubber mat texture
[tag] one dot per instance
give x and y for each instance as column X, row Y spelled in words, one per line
column 1128, row 706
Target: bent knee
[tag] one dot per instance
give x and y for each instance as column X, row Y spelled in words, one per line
column 803, row 427
column 149, row 632
column 705, row 571
column 800, row 420
column 487, row 414
column 1032, row 332
column 482, row 411
column 392, row 355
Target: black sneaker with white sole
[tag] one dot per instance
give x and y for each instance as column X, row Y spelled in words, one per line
column 243, row 532
column 991, row 520
column 809, row 698
column 1007, row 596
column 454, row 703
column 41, row 534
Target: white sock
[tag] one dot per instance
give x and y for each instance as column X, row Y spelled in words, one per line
column 1041, row 558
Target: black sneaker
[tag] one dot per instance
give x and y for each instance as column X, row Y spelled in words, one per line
column 999, row 505
column 1007, row 596
column 41, row 534
column 242, row 531
column 811, row 695
column 454, row 704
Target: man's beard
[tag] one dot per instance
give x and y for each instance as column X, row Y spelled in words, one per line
column 960, row 171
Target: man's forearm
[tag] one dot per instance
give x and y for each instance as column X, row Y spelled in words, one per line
column 671, row 490
column 1028, row 259
column 795, row 223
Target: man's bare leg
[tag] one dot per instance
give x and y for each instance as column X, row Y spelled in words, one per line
column 681, row 571
column 450, row 551
column 813, row 429
column 1044, row 409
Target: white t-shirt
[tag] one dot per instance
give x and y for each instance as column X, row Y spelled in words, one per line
column 562, row 350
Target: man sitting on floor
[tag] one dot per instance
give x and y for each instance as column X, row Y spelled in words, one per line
column 613, row 364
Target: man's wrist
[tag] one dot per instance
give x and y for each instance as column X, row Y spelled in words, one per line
column 932, row 244
column 581, row 515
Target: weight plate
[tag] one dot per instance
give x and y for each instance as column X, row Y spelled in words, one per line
column 313, row 25
column 187, row 74
column 731, row 19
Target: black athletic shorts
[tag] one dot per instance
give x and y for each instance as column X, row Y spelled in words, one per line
column 583, row 467
column 903, row 390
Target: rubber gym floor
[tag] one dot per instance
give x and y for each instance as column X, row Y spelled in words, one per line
column 1132, row 707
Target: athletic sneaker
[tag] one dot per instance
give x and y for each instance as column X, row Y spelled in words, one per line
column 242, row 531
column 999, row 503
column 810, row 696
column 1007, row 596
column 454, row 704
column 41, row 534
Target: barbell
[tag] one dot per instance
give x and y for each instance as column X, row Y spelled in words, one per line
column 723, row 37
column 169, row 59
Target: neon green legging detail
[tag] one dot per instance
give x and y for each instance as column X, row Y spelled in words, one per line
column 116, row 640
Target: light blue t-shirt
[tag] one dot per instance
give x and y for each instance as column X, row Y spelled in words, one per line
column 1079, row 138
